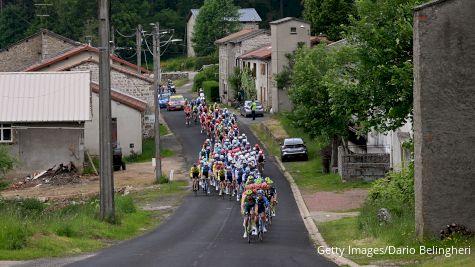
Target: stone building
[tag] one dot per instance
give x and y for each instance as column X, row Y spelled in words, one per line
column 124, row 76
column 230, row 48
column 33, row 49
column 248, row 18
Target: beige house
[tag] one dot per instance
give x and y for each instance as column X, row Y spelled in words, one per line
column 248, row 18
column 127, row 118
column 230, row 48
column 259, row 62
column 286, row 34
column 34, row 49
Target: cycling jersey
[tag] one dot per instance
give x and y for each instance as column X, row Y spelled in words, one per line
column 248, row 203
column 262, row 204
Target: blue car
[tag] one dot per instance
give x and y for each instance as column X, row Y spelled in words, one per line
column 163, row 100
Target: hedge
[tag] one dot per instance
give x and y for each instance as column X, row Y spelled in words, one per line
column 211, row 90
column 188, row 63
column 208, row 74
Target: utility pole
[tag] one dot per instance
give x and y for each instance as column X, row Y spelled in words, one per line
column 105, row 120
column 156, row 84
column 138, row 37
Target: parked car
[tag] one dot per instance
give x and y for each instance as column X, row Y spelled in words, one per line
column 163, row 100
column 176, row 102
column 245, row 109
column 293, row 148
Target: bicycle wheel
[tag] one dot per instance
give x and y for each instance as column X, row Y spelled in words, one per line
column 261, row 231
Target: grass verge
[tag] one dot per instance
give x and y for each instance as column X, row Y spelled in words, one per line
column 346, row 233
column 148, row 152
column 30, row 229
column 307, row 174
column 180, row 82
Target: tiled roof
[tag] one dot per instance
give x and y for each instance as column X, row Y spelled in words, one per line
column 245, row 14
column 262, row 53
column 241, row 35
column 76, row 51
column 123, row 98
column 45, row 96
column 132, row 73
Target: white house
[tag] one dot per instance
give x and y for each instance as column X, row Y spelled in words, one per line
column 42, row 117
column 127, row 118
column 248, row 18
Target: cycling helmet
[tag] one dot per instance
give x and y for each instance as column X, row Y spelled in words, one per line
column 260, row 192
column 249, row 192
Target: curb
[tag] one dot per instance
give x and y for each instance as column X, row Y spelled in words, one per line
column 312, row 229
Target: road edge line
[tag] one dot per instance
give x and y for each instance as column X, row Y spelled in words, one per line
column 312, row 229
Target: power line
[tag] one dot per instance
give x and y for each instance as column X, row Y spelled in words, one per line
column 123, row 35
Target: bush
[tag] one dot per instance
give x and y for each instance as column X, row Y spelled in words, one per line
column 7, row 161
column 211, row 90
column 394, row 192
column 208, row 74
column 163, row 180
column 188, row 63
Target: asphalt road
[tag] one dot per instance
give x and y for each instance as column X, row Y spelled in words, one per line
column 207, row 230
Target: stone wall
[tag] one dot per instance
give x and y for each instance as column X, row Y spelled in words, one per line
column 129, row 84
column 367, row 167
column 31, row 51
column 53, row 46
column 21, row 55
column 444, row 99
column 173, row 76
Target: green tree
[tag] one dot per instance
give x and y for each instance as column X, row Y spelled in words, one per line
column 248, row 84
column 329, row 16
column 216, row 19
column 235, row 81
column 315, row 75
column 7, row 161
column 12, row 25
column 383, row 37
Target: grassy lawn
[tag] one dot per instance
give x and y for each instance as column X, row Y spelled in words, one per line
column 180, row 82
column 346, row 232
column 148, row 152
column 307, row 174
column 30, row 229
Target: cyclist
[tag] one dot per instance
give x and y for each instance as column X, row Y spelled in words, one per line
column 222, row 179
column 261, row 205
column 247, row 209
column 195, row 113
column 205, row 169
column 260, row 161
column 187, row 114
column 195, row 175
column 271, row 195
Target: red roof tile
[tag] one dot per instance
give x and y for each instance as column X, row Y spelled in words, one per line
column 233, row 36
column 76, row 51
column 122, row 98
column 260, row 53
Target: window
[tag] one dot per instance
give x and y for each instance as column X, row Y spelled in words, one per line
column 263, row 69
column 254, row 69
column 5, row 133
column 293, row 30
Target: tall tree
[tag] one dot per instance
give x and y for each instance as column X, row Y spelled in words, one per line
column 383, row 37
column 329, row 16
column 12, row 24
column 216, row 19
